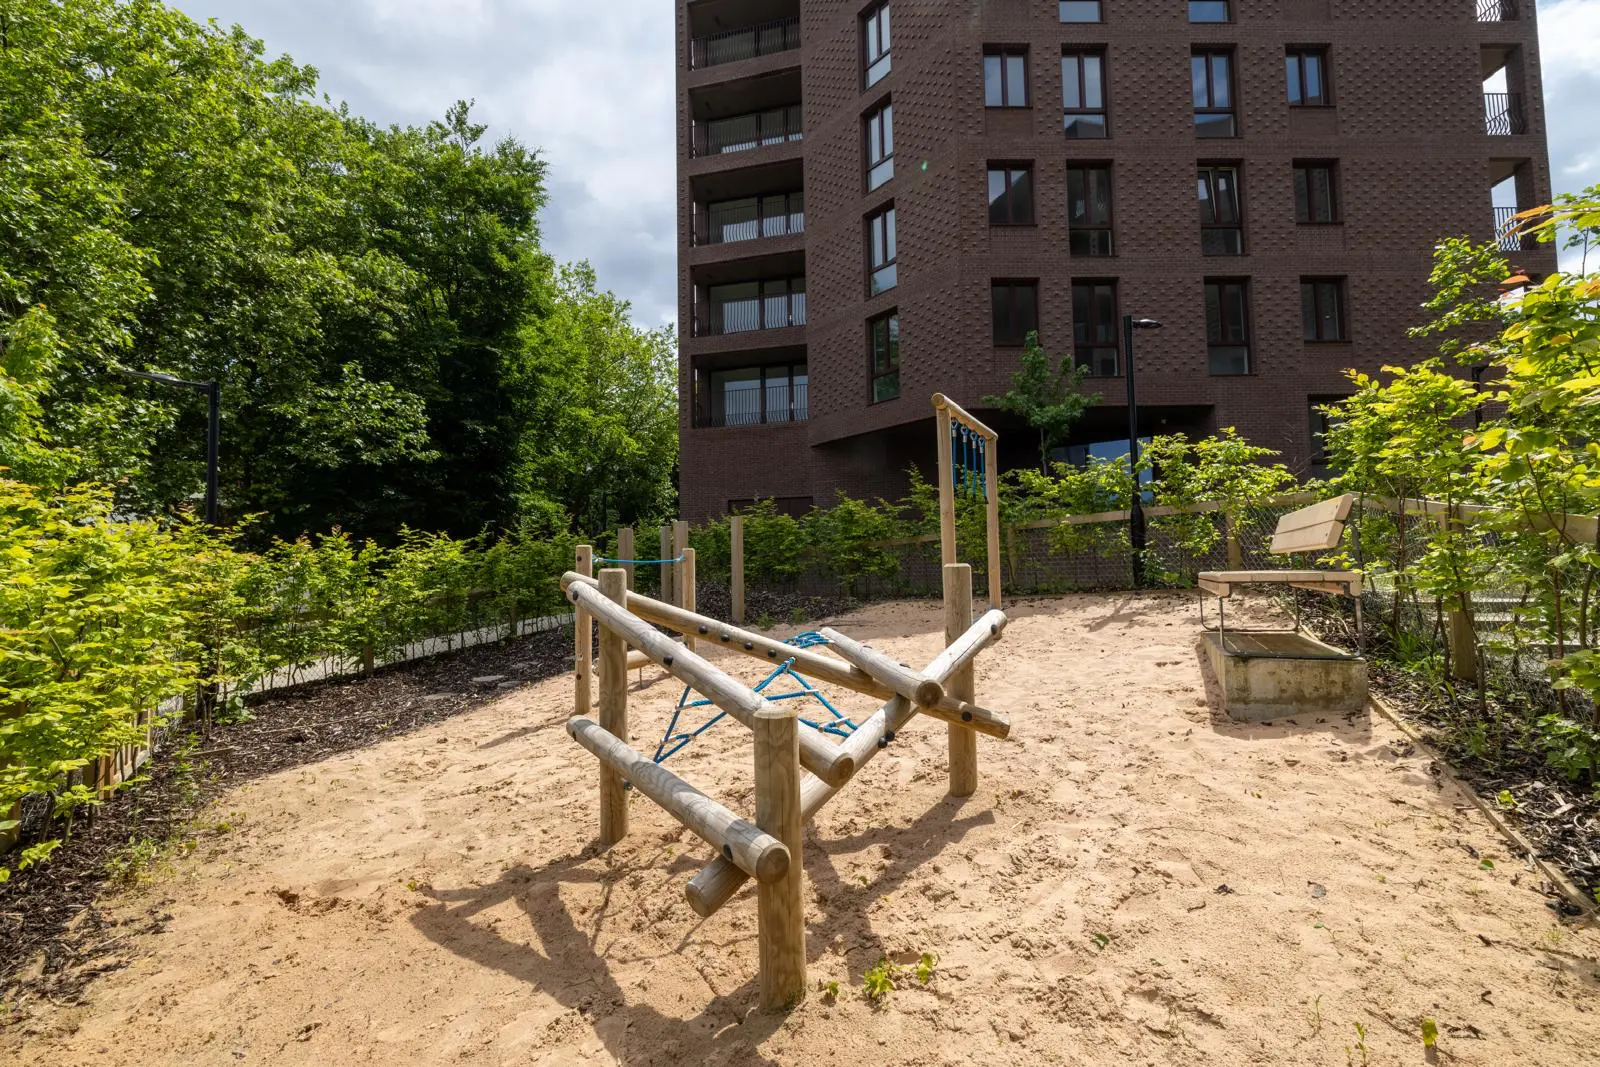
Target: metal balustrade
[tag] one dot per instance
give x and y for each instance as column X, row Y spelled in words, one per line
column 1498, row 11
column 732, row 46
column 1503, row 115
column 741, row 133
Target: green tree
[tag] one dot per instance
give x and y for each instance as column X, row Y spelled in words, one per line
column 1050, row 399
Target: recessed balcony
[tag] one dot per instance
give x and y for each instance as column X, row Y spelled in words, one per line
column 751, row 218
column 751, row 42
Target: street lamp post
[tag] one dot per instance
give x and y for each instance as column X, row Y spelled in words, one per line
column 1136, row 527
column 213, row 393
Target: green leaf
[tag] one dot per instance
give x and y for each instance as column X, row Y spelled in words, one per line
column 1430, row 1032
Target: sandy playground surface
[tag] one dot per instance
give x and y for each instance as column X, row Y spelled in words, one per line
column 1137, row 881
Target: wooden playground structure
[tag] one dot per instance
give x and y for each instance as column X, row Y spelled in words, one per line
column 799, row 765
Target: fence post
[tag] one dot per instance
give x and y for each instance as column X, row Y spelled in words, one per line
column 665, row 570
column 583, row 641
column 780, row 915
column 1235, row 550
column 613, row 710
column 680, row 542
column 962, row 684
column 625, row 551
column 947, row 492
column 736, row 565
column 688, row 576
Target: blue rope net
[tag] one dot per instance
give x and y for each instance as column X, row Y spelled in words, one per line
column 836, row 724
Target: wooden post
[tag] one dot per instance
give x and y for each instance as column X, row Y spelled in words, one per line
column 719, row 880
column 947, row 491
column 669, row 591
column 680, row 544
column 991, row 489
column 583, row 643
column 613, row 710
column 1235, row 549
column 736, row 563
column 686, row 571
column 625, row 551
column 737, row 840
column 781, row 935
column 957, row 620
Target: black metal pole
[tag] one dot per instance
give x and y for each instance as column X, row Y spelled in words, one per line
column 213, row 450
column 1136, row 528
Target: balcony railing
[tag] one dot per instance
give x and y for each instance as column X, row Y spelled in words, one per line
column 747, row 314
column 780, row 400
column 740, row 133
column 1498, row 11
column 734, row 45
column 1503, row 115
column 751, row 219
column 1507, row 230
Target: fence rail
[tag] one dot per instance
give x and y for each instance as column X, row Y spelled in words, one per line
column 732, row 46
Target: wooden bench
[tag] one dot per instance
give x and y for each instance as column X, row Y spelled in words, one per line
column 1318, row 528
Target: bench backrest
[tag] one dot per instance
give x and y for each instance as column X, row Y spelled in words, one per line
column 1314, row 529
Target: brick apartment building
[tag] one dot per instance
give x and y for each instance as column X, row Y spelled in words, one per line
column 876, row 201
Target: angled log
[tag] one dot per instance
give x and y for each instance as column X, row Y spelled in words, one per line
column 902, row 680
column 719, row 880
column 818, row 755
column 739, row 841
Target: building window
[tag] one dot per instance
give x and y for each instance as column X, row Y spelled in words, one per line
column 1211, row 74
column 1015, row 309
column 752, row 396
column 1010, row 195
column 1322, row 309
column 1227, row 327
column 875, row 44
column 746, row 306
column 881, row 251
column 880, row 146
column 1089, row 210
column 1005, row 78
column 1208, row 11
column 1315, row 198
column 1083, row 93
column 1080, row 10
column 883, row 350
column 749, row 218
column 1308, row 77
column 1321, row 424
column 1221, row 222
column 1094, row 328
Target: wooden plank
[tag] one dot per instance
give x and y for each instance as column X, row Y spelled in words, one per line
column 1333, row 509
column 1307, row 539
column 1337, row 588
column 1277, row 577
column 1220, row 590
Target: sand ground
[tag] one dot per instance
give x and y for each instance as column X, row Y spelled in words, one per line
column 1137, row 881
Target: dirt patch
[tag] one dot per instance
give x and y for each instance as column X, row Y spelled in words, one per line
column 1137, row 880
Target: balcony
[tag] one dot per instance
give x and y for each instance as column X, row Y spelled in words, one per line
column 1498, row 11
column 751, row 396
column 732, row 46
column 1505, row 230
column 748, row 307
column 750, row 218
column 1503, row 115
column 741, row 133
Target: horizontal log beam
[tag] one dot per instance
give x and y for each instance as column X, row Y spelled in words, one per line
column 917, row 688
column 719, row 880
column 738, row 841
column 732, row 696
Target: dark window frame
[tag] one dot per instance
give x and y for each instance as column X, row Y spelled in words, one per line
column 706, row 415
column 878, row 130
column 1294, row 58
column 1302, row 171
column 1221, row 338
column 1318, row 288
column 1006, row 53
column 890, row 321
column 1211, row 107
column 876, row 19
column 1091, row 228
column 1103, row 112
column 1207, row 172
column 1009, row 172
column 1013, row 288
column 881, row 234
column 1083, row 352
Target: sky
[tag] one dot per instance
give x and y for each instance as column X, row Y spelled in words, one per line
column 590, row 85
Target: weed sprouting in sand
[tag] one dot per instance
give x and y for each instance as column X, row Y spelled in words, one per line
column 925, row 967
column 879, row 979
column 1314, row 1016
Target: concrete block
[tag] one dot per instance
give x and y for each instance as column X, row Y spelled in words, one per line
column 1267, row 676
